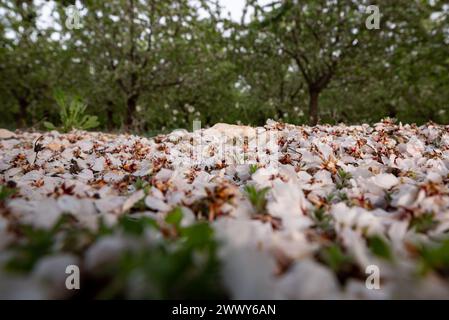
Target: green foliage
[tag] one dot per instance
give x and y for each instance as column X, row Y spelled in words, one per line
column 423, row 223
column 343, row 196
column 335, row 258
column 38, row 243
column 181, row 262
column 182, row 266
column 323, row 220
column 72, row 114
column 253, row 168
column 380, row 248
column 140, row 184
column 135, row 226
column 257, row 197
column 341, row 262
column 174, row 217
column 6, row 192
column 343, row 179
column 152, row 66
column 435, row 257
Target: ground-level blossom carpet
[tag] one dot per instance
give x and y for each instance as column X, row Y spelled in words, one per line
column 280, row 211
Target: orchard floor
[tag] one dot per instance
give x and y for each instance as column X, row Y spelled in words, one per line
column 276, row 212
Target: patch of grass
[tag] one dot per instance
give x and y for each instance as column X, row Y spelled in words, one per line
column 174, row 217
column 253, row 168
column 335, row 257
column 435, row 257
column 72, row 114
column 257, row 197
column 380, row 248
column 424, row 222
column 136, row 226
column 342, row 180
column 343, row 196
column 141, row 184
column 323, row 220
column 6, row 192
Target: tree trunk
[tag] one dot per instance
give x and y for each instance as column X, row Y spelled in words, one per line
column 131, row 104
column 313, row 106
column 23, row 109
column 110, row 115
column 392, row 111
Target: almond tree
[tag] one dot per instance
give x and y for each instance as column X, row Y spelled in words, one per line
column 316, row 35
column 25, row 53
column 133, row 48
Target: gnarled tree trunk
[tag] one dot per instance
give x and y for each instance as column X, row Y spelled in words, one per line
column 131, row 105
column 313, row 106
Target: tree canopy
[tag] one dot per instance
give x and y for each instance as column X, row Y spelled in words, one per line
column 149, row 66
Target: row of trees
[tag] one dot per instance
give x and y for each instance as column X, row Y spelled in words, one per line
column 149, row 65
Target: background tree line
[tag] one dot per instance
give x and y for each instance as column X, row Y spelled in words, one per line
column 151, row 65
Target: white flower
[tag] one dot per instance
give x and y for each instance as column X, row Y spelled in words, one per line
column 263, row 176
column 249, row 274
column 353, row 241
column 385, row 180
column 356, row 218
column 397, row 233
column 406, row 196
column 85, row 175
column 98, row 164
column 398, row 173
column 40, row 214
column 156, row 204
column 308, row 280
column 288, row 200
column 415, row 147
column 110, row 204
column 132, row 200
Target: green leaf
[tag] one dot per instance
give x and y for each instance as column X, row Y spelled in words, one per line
column 253, row 168
column 72, row 113
column 136, row 226
column 174, row 217
column 435, row 257
column 49, row 126
column 198, row 235
column 257, row 197
column 6, row 192
column 343, row 178
column 335, row 258
column 380, row 248
column 89, row 122
column 323, row 220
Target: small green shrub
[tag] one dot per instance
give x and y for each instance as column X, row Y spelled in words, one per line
column 72, row 114
column 257, row 198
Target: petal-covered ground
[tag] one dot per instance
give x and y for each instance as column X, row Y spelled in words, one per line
column 292, row 212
